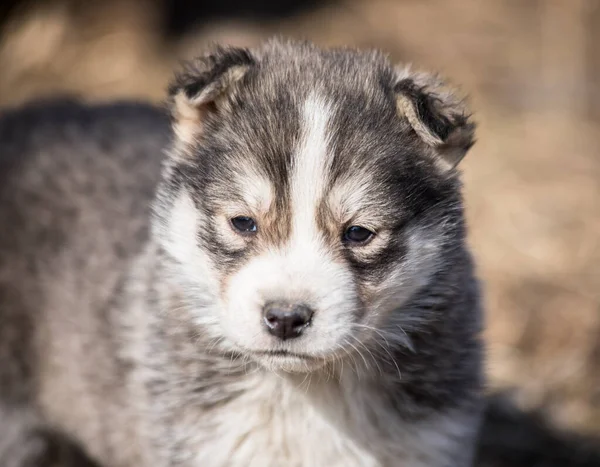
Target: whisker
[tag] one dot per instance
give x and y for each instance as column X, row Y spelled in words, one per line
column 370, row 354
column 360, row 354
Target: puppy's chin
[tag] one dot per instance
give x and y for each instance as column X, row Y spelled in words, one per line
column 287, row 362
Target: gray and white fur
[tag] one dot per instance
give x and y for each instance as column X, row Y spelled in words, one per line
column 283, row 280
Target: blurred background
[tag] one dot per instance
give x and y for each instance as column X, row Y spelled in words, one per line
column 532, row 68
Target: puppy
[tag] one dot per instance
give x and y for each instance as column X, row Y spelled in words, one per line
column 288, row 286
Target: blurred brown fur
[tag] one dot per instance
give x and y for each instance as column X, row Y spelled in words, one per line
column 533, row 180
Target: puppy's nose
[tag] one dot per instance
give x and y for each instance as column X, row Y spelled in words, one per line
column 286, row 320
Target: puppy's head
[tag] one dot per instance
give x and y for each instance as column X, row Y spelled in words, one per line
column 308, row 195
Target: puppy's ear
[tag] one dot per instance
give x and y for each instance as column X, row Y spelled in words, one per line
column 196, row 90
column 436, row 114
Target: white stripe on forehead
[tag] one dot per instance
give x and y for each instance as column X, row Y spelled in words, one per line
column 303, row 270
column 311, row 164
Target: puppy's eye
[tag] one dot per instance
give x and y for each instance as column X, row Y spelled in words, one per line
column 244, row 224
column 356, row 235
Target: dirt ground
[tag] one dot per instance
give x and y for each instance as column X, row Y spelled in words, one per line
column 532, row 180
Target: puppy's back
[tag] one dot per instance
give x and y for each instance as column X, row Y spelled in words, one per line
column 75, row 187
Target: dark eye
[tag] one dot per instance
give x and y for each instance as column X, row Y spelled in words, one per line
column 244, row 224
column 357, row 235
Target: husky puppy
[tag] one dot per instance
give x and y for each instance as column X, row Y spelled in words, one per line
column 289, row 286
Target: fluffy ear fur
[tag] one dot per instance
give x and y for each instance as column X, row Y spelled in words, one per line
column 436, row 114
column 196, row 90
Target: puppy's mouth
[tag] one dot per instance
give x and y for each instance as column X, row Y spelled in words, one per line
column 287, row 361
column 282, row 353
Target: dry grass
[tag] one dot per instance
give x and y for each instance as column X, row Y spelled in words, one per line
column 532, row 181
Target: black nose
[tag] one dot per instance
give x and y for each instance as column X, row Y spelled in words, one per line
column 286, row 320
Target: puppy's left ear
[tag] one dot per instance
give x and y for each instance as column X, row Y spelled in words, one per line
column 436, row 114
column 199, row 88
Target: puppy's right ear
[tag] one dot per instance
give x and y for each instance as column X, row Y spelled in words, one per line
column 437, row 115
column 196, row 90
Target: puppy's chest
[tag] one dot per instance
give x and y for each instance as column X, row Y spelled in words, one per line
column 273, row 424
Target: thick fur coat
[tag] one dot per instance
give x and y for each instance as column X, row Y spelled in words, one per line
column 272, row 273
